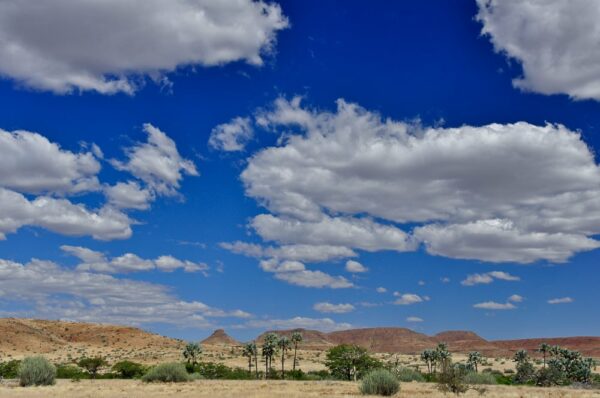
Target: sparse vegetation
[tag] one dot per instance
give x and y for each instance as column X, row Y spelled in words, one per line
column 379, row 382
column 36, row 371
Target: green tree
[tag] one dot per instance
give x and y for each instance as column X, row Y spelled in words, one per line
column 129, row 370
column 296, row 340
column 249, row 351
column 269, row 349
column 92, row 365
column 442, row 356
column 350, row 362
column 474, row 359
column 525, row 370
column 545, row 350
column 428, row 356
column 191, row 353
column 284, row 345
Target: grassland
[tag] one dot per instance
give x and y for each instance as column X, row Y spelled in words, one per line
column 259, row 389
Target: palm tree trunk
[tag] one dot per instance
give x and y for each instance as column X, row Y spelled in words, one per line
column 256, row 364
column 282, row 364
column 295, row 350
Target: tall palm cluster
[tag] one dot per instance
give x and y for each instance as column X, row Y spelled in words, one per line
column 438, row 357
column 272, row 345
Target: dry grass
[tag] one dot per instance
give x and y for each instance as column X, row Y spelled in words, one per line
column 260, row 389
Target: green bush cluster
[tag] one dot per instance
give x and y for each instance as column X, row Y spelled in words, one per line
column 409, row 374
column 379, row 382
column 10, row 369
column 480, row 378
column 168, row 373
column 36, row 371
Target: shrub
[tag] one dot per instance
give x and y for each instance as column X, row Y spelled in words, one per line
column 452, row 379
column 379, row 382
column 480, row 378
column 36, row 371
column 70, row 372
column 92, row 365
column 129, row 370
column 349, row 362
column 409, row 374
column 10, row 369
column 167, row 373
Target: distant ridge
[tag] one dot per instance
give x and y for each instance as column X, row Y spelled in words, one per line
column 219, row 337
column 406, row 341
column 27, row 336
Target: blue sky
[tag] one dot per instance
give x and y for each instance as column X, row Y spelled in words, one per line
column 224, row 172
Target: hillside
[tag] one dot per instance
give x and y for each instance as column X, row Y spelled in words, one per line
column 64, row 340
column 465, row 341
column 389, row 339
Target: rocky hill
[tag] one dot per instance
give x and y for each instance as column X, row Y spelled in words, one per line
column 219, row 337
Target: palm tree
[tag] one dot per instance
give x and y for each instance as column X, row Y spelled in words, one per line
column 296, row 340
column 192, row 352
column 428, row 357
column 521, row 356
column 544, row 349
column 249, row 351
column 269, row 349
column 474, row 359
column 284, row 344
column 443, row 356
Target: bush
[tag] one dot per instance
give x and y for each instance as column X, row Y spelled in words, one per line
column 452, row 379
column 349, row 362
column 379, row 382
column 70, row 372
column 10, row 369
column 480, row 378
column 36, row 371
column 92, row 365
column 129, row 370
column 409, row 374
column 167, row 373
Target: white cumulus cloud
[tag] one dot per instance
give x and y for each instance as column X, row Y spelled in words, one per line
column 561, row 300
column 107, row 46
column 32, row 164
column 53, row 291
column 330, row 308
column 488, row 277
column 93, row 261
column 157, row 162
column 499, row 193
column 355, row 267
column 555, row 41
column 232, row 136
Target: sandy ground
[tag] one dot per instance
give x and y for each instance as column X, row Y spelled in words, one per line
column 259, row 389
